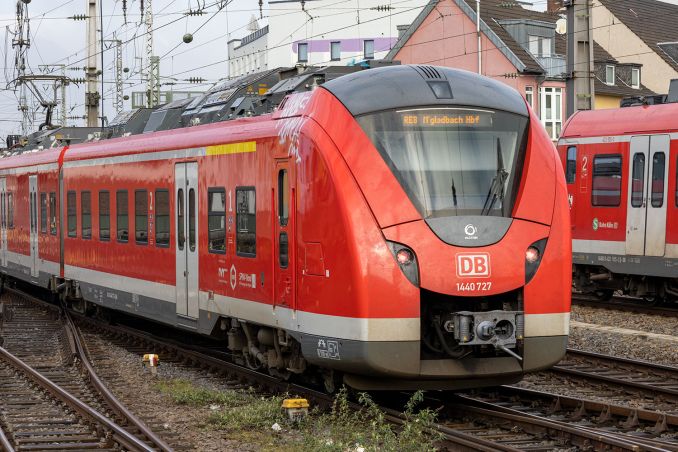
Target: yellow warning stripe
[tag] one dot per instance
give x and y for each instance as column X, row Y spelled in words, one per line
column 232, row 148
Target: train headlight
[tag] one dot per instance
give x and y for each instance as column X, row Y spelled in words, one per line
column 404, row 256
column 406, row 260
column 533, row 256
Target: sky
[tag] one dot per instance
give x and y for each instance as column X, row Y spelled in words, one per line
column 58, row 39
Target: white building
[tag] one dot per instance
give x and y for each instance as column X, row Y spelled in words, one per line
column 322, row 32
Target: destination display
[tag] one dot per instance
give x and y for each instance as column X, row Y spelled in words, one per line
column 442, row 119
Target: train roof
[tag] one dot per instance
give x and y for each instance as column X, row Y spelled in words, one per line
column 394, row 87
column 622, row 121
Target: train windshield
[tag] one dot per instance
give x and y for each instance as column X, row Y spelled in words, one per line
column 452, row 161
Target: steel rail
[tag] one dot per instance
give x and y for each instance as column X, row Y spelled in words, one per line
column 110, row 398
column 623, row 304
column 121, row 435
column 619, row 359
column 596, row 437
column 4, row 442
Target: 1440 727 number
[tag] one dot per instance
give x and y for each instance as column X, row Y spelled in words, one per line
column 473, row 286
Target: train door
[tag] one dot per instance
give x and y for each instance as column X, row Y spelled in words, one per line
column 33, row 206
column 284, row 237
column 186, row 218
column 636, row 208
column 646, row 209
column 3, row 221
column 655, row 229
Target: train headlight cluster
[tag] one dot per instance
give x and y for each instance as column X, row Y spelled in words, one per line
column 532, row 255
column 406, row 260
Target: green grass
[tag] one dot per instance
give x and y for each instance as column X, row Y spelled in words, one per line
column 248, row 417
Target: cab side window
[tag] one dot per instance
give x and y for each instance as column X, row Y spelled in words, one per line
column 571, row 166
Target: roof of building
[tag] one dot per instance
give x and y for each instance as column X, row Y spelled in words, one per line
column 600, row 55
column 491, row 13
column 651, row 20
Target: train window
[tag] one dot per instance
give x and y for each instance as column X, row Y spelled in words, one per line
column 606, row 186
column 571, row 168
column 104, row 216
column 216, row 220
column 31, row 211
column 638, row 180
column 52, row 213
column 141, row 216
column 122, row 217
column 72, row 214
column 283, row 197
column 10, row 211
column 658, row 166
column 191, row 219
column 86, row 214
column 246, row 220
column 181, row 234
column 162, row 218
column 43, row 213
column 2, row 209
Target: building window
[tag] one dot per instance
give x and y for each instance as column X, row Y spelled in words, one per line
column 609, row 74
column 52, row 213
column 216, row 221
column 162, row 218
column 86, row 214
column 606, row 186
column 141, row 216
column 529, row 95
column 43, row 213
column 72, row 214
column 635, row 78
column 302, row 50
column 122, row 217
column 571, row 169
column 368, row 49
column 246, row 221
column 539, row 46
column 552, row 111
column 335, row 51
column 104, row 216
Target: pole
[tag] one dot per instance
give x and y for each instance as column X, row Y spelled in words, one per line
column 101, row 46
column 579, row 84
column 480, row 45
column 92, row 95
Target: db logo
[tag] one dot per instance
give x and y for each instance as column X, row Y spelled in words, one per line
column 473, row 265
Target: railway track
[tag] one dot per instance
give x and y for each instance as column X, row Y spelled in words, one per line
column 626, row 304
column 50, row 397
column 505, row 419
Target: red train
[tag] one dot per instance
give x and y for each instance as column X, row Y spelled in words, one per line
column 401, row 227
column 622, row 170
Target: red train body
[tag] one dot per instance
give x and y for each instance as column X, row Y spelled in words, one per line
column 402, row 227
column 622, row 171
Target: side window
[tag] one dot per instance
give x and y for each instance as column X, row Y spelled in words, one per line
column 104, row 216
column 122, row 217
column 141, row 216
column 43, row 213
column 191, row 218
column 162, row 218
column 216, row 221
column 283, row 197
column 571, row 168
column 72, row 214
column 10, row 210
column 638, row 180
column 86, row 214
column 181, row 232
column 52, row 213
column 246, row 221
column 606, row 186
column 658, row 166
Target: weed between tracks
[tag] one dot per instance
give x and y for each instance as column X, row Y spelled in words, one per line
column 248, row 417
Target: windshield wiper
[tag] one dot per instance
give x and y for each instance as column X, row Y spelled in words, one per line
column 497, row 186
